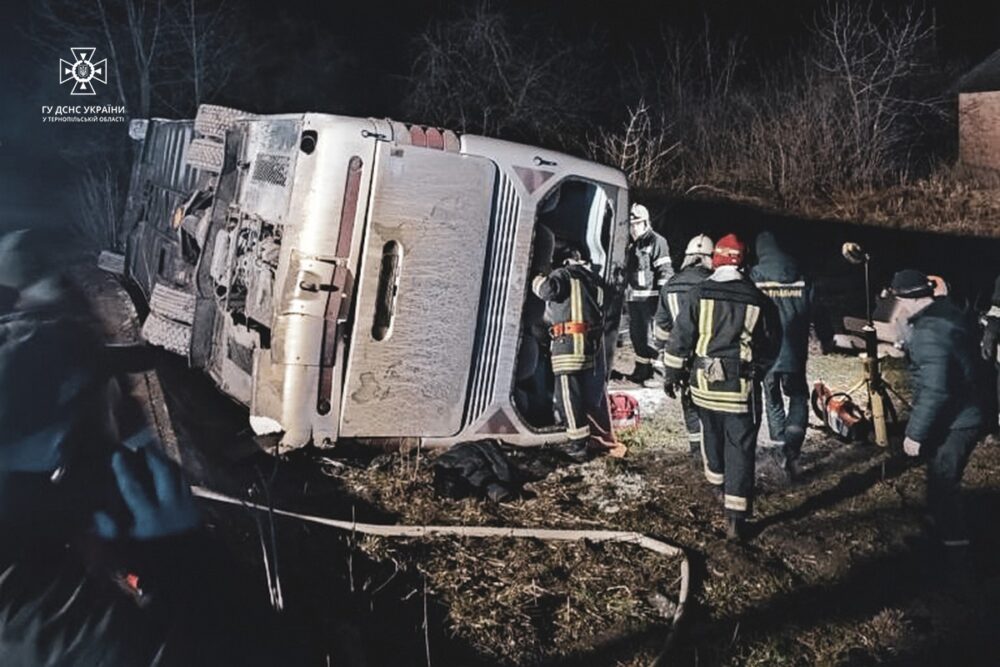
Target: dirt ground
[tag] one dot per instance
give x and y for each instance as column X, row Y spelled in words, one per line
column 837, row 573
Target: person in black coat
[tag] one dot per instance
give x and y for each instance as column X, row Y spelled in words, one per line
column 103, row 560
column 777, row 274
column 946, row 420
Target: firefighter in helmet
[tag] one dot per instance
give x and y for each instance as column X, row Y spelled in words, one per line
column 574, row 298
column 696, row 267
column 947, row 415
column 722, row 344
column 648, row 268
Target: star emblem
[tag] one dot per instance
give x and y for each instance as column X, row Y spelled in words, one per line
column 83, row 71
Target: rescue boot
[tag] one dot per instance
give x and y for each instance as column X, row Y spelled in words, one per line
column 793, row 471
column 576, row 451
column 610, row 447
column 736, row 529
column 641, row 373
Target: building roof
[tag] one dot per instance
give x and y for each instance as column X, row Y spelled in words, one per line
column 983, row 77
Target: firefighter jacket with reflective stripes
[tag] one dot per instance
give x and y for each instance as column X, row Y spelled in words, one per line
column 673, row 297
column 573, row 296
column 647, row 266
column 725, row 337
column 947, row 388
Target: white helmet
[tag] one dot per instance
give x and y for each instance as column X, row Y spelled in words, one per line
column 699, row 251
column 700, row 245
column 638, row 220
column 638, row 213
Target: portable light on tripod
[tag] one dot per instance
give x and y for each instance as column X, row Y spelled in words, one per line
column 872, row 380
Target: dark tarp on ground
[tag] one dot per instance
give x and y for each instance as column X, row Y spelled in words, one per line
column 478, row 469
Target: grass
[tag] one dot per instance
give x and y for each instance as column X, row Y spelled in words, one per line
column 829, row 580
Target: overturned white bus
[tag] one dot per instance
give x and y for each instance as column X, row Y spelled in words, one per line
column 361, row 279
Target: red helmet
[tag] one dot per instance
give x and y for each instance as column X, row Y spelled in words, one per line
column 728, row 251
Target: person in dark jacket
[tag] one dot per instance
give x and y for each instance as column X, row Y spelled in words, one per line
column 991, row 333
column 574, row 309
column 946, row 419
column 647, row 267
column 722, row 344
column 102, row 561
column 696, row 267
column 777, row 275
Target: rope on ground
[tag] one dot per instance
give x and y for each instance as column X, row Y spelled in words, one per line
column 547, row 534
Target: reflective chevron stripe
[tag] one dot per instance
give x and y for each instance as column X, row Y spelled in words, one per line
column 706, row 315
column 536, row 285
column 736, row 503
column 746, row 336
column 674, row 304
column 670, row 361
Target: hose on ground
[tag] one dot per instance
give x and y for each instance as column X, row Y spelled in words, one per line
column 545, row 534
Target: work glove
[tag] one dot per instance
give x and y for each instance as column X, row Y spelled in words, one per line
column 911, row 447
column 541, row 257
column 672, row 389
column 157, row 498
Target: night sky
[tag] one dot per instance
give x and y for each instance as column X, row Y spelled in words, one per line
column 373, row 42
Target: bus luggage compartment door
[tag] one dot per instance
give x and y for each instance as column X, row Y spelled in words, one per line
column 418, row 294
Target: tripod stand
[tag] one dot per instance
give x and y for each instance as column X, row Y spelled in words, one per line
column 880, row 408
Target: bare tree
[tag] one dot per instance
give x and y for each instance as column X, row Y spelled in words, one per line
column 213, row 48
column 99, row 199
column 642, row 147
column 874, row 58
column 477, row 74
column 145, row 24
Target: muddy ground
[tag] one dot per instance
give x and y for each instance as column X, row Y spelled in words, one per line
column 838, row 571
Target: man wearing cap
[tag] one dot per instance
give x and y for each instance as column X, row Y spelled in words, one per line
column 647, row 268
column 946, row 419
column 722, row 344
column 696, row 267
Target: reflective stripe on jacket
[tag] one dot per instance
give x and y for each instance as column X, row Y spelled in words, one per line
column 647, row 266
column 726, row 335
column 673, row 297
column 572, row 294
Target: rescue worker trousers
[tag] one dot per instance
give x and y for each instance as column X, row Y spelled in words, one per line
column 692, row 420
column 582, row 404
column 945, row 465
column 730, row 457
column 640, row 328
column 787, row 427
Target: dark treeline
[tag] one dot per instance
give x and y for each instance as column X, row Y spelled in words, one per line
column 779, row 100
